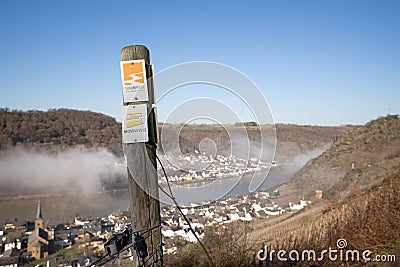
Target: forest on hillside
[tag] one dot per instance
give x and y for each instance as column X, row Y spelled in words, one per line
column 58, row 129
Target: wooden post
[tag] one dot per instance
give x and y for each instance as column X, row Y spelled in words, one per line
column 142, row 170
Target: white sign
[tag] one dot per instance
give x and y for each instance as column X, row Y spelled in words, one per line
column 134, row 82
column 134, row 124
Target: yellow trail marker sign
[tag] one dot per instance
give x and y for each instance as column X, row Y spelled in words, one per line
column 134, row 124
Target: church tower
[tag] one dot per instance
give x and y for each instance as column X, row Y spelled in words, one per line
column 39, row 218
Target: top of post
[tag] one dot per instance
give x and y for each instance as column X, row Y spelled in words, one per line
column 134, row 52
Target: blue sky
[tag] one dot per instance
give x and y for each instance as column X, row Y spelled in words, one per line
column 317, row 62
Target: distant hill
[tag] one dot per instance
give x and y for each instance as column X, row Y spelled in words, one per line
column 373, row 150
column 58, row 129
column 292, row 139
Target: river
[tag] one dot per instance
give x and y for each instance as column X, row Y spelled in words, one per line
column 61, row 208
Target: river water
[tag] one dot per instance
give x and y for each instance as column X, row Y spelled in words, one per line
column 61, row 208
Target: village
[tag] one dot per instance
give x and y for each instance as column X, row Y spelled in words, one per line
column 80, row 241
column 199, row 167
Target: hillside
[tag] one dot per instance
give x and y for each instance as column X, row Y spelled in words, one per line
column 360, row 205
column 373, row 150
column 292, row 140
column 368, row 221
column 58, row 129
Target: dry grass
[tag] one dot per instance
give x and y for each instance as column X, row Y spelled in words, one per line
column 368, row 221
column 228, row 246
